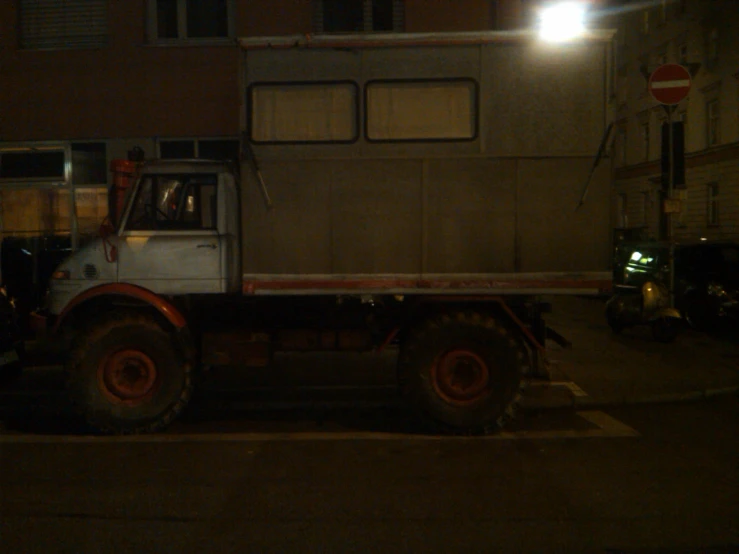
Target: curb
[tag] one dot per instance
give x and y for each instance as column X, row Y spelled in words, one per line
column 667, row 398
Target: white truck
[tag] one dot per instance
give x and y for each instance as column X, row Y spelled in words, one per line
column 414, row 190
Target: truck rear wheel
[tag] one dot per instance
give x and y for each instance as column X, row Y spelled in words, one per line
column 125, row 376
column 463, row 371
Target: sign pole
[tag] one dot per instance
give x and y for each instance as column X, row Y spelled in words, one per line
column 670, row 192
column 668, row 85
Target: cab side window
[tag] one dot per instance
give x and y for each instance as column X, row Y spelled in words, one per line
column 175, row 203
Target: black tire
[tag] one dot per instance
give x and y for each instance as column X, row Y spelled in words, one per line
column 12, row 372
column 665, row 329
column 616, row 326
column 474, row 348
column 698, row 313
column 612, row 318
column 125, row 376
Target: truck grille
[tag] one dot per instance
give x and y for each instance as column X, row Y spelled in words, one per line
column 90, row 271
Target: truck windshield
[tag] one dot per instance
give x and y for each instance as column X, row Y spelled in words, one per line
column 174, row 202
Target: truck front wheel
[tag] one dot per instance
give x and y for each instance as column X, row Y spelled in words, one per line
column 463, row 371
column 125, row 376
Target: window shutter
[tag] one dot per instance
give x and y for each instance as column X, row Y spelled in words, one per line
column 63, row 23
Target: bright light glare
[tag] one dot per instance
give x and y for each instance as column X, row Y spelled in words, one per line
column 562, row 22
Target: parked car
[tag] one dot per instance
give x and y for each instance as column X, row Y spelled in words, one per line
column 706, row 276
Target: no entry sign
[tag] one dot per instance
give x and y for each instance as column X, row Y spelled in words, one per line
column 670, row 83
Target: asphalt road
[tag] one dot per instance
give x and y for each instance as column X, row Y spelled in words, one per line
column 640, row 479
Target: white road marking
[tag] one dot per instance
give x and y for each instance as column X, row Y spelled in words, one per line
column 608, row 427
column 678, row 83
column 574, row 388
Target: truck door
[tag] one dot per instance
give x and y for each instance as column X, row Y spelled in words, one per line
column 171, row 244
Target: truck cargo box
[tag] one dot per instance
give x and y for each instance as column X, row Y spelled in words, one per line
column 456, row 156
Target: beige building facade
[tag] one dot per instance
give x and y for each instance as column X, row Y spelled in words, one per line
column 702, row 35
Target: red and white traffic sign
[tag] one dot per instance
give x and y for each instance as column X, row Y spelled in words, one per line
column 670, row 83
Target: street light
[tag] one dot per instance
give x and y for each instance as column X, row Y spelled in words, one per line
column 562, row 22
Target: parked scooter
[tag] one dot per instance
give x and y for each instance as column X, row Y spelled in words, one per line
column 645, row 305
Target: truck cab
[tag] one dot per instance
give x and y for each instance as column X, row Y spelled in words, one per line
column 178, row 234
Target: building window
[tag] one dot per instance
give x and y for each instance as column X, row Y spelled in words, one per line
column 219, row 149
column 645, row 135
column 713, row 121
column 33, row 165
column 37, row 164
column 713, row 204
column 645, row 208
column 177, row 149
column 421, row 110
column 682, row 53
column 622, row 145
column 350, row 16
column 89, row 163
column 54, row 24
column 206, row 149
column 681, row 219
column 189, row 19
column 303, row 113
column 712, row 46
column 683, row 118
column 622, row 207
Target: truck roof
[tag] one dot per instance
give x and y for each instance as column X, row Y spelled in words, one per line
column 389, row 40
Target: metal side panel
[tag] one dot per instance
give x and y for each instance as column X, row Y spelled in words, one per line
column 552, row 235
column 376, row 216
column 295, row 235
column 543, row 101
column 178, row 263
column 470, row 216
column 334, row 216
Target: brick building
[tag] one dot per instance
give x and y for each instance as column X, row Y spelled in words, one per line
column 84, row 81
column 688, row 32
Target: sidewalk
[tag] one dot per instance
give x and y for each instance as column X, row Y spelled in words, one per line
column 632, row 368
